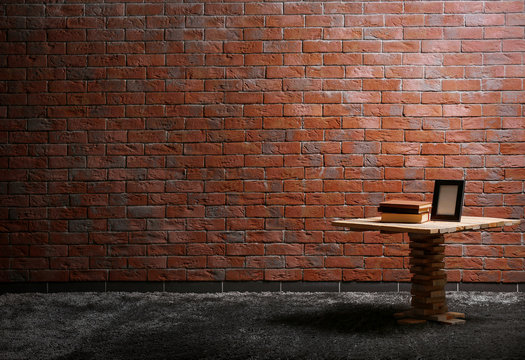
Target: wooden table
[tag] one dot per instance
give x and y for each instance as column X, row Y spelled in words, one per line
column 426, row 261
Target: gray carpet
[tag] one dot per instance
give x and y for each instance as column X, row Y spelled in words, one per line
column 254, row 326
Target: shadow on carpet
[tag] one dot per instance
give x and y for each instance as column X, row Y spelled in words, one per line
column 254, row 326
column 344, row 318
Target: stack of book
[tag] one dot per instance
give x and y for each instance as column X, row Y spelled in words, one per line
column 405, row 211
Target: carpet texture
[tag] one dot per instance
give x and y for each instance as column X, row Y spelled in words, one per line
column 254, row 326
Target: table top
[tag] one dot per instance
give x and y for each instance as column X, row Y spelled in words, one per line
column 429, row 227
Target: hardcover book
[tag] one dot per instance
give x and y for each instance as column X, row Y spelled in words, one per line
column 405, row 206
column 405, row 218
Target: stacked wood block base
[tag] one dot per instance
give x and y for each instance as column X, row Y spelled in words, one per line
column 428, row 282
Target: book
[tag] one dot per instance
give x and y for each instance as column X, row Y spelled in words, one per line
column 405, row 206
column 402, row 210
column 405, row 218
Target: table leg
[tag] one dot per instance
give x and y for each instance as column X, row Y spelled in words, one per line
column 428, row 282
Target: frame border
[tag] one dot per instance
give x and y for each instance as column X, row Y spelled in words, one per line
column 459, row 200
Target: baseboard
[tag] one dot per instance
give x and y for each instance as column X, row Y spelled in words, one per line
column 242, row 286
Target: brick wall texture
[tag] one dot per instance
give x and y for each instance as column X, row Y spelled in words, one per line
column 216, row 140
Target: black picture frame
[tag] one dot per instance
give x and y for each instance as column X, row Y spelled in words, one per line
column 447, row 201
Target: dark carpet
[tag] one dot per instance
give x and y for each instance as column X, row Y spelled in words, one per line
column 254, row 326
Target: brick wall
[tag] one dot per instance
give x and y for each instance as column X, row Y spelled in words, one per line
column 217, row 140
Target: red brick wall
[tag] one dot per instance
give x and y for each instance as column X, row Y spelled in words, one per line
column 217, row 140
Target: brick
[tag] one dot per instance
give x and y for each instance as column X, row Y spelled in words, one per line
column 400, row 97
column 304, row 261
column 166, row 275
column 323, row 249
column 463, row 7
column 387, row 8
column 455, row 85
column 284, row 21
column 382, row 110
column 499, row 32
column 462, row 59
column 382, row 59
column 509, row 160
column 128, row 275
column 463, row 263
column 485, row 20
column 303, row 59
column 339, row 33
column 341, row 85
column 503, row 187
column 440, row 149
column 245, row 249
column 401, row 174
column 302, row 110
column 467, row 161
column 481, row 276
column 383, row 263
column 265, row 34
column 422, row 110
column 303, row 237
column 513, row 251
column 382, row 186
column 501, row 238
column 88, row 275
column 361, row 46
column 424, row 8
column 516, row 19
column 383, row 34
column 481, row 46
column 362, row 275
column 322, row 46
column 262, row 8
column 401, row 46
column 322, row 274
column 461, row 110
column 344, row 262
column 330, row 21
column 441, row 98
column 412, row 33
column 444, row 20
column 283, row 274
column 479, row 149
column 404, row 20
column 501, row 58
column 424, row 161
column 381, row 84
column 225, row 262
column 206, row 275
column 48, row 275
column 244, row 275
column 264, row 262
column 503, row 264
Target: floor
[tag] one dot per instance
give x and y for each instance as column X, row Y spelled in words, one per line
column 254, row 326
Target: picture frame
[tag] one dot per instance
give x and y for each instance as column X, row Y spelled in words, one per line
column 447, row 201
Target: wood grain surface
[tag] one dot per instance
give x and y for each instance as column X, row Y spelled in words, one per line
column 429, row 227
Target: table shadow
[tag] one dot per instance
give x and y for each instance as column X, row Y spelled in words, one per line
column 344, row 318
